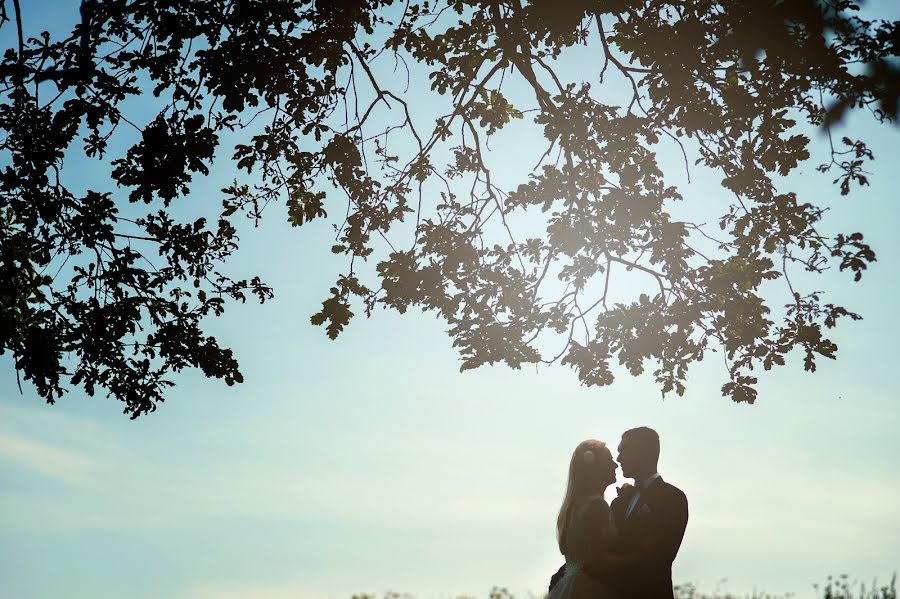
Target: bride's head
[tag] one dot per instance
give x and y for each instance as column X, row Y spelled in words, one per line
column 591, row 470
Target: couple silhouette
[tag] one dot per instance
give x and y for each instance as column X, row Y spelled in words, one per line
column 624, row 550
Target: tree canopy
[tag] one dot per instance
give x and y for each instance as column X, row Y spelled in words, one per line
column 107, row 288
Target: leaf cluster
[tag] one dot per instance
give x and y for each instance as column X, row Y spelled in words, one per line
column 108, row 287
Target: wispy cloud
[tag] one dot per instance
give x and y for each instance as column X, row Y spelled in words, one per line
column 62, row 464
column 124, row 485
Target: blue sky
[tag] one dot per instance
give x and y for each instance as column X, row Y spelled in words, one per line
column 371, row 464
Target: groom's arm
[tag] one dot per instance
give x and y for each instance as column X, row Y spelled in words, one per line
column 614, row 563
column 660, row 545
column 603, row 564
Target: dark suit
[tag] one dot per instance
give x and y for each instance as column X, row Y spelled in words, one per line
column 661, row 514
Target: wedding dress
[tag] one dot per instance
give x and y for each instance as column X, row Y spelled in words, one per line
column 580, row 538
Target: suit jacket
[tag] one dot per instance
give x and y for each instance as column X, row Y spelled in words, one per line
column 661, row 514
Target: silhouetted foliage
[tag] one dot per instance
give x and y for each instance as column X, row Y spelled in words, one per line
column 106, row 288
column 840, row 587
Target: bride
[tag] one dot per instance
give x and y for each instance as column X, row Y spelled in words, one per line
column 584, row 528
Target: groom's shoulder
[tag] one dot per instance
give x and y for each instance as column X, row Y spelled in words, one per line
column 673, row 493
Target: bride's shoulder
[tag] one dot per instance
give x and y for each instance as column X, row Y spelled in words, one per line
column 596, row 506
column 597, row 499
column 589, row 502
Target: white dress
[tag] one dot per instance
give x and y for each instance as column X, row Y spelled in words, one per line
column 575, row 583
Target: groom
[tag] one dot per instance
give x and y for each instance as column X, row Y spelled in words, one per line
column 650, row 517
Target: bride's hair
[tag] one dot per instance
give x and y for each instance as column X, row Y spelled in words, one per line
column 584, row 477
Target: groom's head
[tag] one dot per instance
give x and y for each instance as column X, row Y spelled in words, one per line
column 639, row 452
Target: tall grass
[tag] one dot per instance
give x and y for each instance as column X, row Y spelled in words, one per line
column 835, row 587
